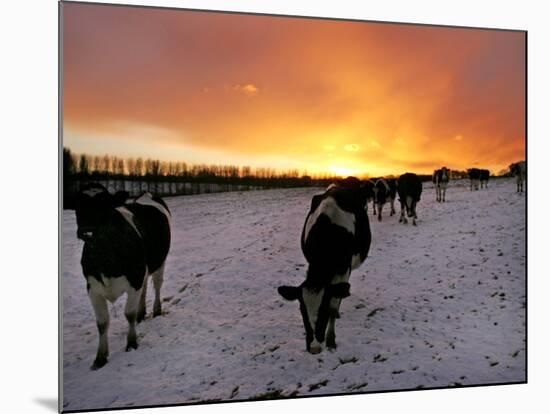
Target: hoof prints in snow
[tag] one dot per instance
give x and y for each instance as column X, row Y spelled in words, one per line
column 226, row 331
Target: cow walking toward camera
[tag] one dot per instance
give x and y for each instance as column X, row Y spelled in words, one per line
column 385, row 190
column 519, row 170
column 440, row 179
column 475, row 175
column 335, row 240
column 484, row 178
column 123, row 244
column 369, row 186
column 409, row 188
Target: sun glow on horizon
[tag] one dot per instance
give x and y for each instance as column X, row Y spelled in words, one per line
column 341, row 171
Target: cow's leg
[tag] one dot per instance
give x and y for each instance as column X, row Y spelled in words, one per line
column 380, row 211
column 392, row 202
column 158, row 278
column 142, row 308
column 334, row 313
column 130, row 311
column 99, row 303
column 403, row 217
column 374, row 208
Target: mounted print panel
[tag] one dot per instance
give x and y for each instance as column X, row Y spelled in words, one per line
column 261, row 207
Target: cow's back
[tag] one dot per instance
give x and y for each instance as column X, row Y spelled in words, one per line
column 154, row 226
column 409, row 185
column 334, row 232
column 116, row 250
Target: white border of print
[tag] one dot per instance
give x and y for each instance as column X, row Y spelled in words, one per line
column 28, row 77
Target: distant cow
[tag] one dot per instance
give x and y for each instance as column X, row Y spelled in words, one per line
column 409, row 188
column 335, row 240
column 369, row 186
column 475, row 176
column 440, row 179
column 484, row 178
column 123, row 244
column 519, row 170
column 384, row 191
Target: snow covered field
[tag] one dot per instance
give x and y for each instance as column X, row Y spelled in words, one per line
column 440, row 304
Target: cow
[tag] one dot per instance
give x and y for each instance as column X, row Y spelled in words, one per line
column 335, row 240
column 369, row 186
column 440, row 179
column 519, row 170
column 385, row 190
column 475, row 175
column 124, row 242
column 484, row 178
column 409, row 188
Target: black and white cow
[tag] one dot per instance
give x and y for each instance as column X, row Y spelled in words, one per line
column 384, row 191
column 475, row 175
column 409, row 187
column 369, row 186
column 440, row 179
column 484, row 178
column 124, row 242
column 335, row 240
column 519, row 170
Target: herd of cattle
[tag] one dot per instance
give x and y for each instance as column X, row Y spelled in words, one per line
column 127, row 239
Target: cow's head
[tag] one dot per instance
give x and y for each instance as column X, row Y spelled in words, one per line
column 92, row 205
column 315, row 309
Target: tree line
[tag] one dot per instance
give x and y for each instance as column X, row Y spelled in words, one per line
column 165, row 178
column 176, row 177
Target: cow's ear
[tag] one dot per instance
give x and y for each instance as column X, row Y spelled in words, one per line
column 289, row 292
column 339, row 290
column 120, row 197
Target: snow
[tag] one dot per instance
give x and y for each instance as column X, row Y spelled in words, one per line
column 437, row 305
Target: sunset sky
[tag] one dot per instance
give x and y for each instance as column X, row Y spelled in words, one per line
column 316, row 95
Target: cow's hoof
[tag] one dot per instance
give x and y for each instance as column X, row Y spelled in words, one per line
column 331, row 344
column 98, row 363
column 157, row 312
column 131, row 345
column 379, row 218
